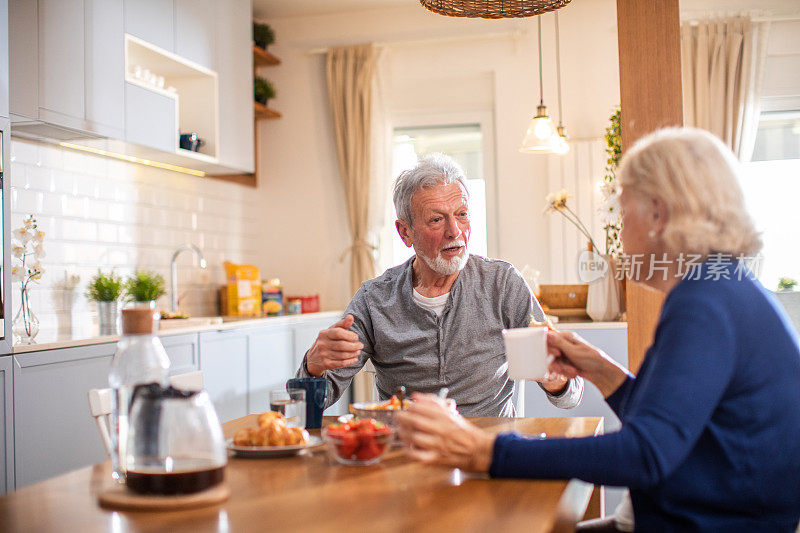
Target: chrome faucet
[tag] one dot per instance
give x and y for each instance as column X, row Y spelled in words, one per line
column 173, row 270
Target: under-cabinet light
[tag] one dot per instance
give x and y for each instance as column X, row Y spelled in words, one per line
column 133, row 159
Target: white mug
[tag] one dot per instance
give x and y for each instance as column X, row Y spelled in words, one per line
column 526, row 352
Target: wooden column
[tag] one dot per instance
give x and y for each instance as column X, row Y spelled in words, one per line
column 648, row 33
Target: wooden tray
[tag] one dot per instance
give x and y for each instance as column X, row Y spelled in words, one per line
column 119, row 497
column 568, row 312
column 561, row 296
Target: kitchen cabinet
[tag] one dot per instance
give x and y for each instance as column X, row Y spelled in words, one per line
column 23, row 51
column 183, row 352
column 195, row 34
column 152, row 21
column 305, row 333
column 61, row 62
column 234, row 66
column 66, row 67
column 150, row 118
column 6, row 425
column 223, row 360
column 271, row 363
column 54, row 431
column 4, row 59
column 104, row 69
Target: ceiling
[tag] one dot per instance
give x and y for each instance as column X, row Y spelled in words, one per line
column 266, row 9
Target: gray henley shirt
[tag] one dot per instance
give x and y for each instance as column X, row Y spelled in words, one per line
column 462, row 349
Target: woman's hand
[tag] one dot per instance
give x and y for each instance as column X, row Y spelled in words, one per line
column 576, row 357
column 437, row 435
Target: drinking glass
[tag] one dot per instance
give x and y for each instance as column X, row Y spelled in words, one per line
column 291, row 403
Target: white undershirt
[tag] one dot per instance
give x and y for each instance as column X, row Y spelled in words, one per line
column 435, row 304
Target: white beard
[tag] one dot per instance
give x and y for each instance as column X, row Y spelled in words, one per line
column 447, row 267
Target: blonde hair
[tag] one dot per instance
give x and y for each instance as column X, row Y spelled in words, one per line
column 696, row 176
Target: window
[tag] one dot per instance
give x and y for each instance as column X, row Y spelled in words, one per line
column 771, row 185
column 465, row 144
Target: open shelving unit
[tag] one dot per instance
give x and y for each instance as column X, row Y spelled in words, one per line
column 193, row 87
column 262, row 58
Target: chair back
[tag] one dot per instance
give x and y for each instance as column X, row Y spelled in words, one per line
column 100, row 402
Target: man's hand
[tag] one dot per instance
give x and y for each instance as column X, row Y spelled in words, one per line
column 335, row 347
column 554, row 383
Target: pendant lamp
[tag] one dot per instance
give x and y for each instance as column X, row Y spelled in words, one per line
column 538, row 137
column 559, row 140
column 492, row 9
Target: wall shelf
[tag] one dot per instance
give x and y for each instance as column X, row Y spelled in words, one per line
column 263, row 58
column 262, row 111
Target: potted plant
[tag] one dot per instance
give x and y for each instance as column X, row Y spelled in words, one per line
column 787, row 284
column 144, row 288
column 263, row 35
column 105, row 290
column 263, row 90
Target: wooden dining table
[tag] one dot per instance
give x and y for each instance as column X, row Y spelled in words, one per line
column 312, row 492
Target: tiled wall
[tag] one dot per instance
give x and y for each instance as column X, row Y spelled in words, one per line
column 101, row 212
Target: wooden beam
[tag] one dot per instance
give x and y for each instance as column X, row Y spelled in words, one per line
column 648, row 33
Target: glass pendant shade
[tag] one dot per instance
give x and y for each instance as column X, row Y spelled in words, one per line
column 538, row 137
column 559, row 141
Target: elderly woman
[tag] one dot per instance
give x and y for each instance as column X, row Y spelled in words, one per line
column 710, row 436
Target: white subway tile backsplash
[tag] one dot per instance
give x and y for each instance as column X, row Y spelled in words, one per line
column 108, row 213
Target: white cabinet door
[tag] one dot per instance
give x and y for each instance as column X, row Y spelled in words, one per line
column 6, row 425
column 223, row 360
column 105, row 68
column 61, row 62
column 305, row 334
column 271, row 351
column 152, row 21
column 150, row 118
column 182, row 351
column 54, row 432
column 234, row 64
column 23, row 51
column 4, row 59
column 195, row 34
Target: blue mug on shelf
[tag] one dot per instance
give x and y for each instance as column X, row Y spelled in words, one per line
column 316, row 392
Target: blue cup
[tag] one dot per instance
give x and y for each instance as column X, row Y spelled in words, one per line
column 316, row 391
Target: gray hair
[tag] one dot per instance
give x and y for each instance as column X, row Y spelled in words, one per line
column 431, row 170
column 697, row 178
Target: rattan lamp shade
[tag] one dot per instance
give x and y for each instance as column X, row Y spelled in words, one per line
column 492, row 9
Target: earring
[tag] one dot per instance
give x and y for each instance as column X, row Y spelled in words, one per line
column 651, row 233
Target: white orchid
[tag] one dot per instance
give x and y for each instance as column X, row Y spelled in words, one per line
column 17, row 251
column 29, row 222
column 16, row 274
column 22, row 235
column 38, row 250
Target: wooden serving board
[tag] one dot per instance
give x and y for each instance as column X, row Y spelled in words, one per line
column 568, row 312
column 121, row 498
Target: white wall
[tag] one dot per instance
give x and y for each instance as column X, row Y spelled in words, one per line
column 99, row 212
column 299, row 182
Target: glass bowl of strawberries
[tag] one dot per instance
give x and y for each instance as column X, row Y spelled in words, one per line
column 358, row 441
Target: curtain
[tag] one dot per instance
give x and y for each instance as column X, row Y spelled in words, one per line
column 350, row 72
column 363, row 138
column 722, row 64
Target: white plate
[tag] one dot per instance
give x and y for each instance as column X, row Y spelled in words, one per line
column 272, row 451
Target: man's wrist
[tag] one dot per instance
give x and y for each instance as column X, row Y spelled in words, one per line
column 310, row 372
column 560, row 392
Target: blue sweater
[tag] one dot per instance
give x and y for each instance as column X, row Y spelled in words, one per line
column 710, row 436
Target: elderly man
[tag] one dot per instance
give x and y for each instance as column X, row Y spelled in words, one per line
column 435, row 321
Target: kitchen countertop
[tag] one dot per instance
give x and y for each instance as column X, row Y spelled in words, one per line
column 53, row 339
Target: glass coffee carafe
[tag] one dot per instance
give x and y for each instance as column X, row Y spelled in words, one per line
column 175, row 442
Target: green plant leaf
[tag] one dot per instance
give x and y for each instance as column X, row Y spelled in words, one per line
column 104, row 287
column 145, row 286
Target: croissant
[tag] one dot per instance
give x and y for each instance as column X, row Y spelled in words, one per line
column 297, row 436
column 245, row 437
column 265, row 419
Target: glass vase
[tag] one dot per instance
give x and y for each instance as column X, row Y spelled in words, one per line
column 25, row 326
